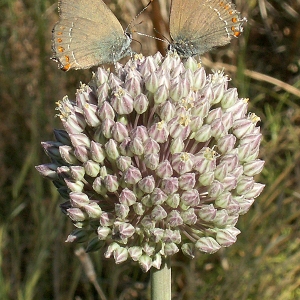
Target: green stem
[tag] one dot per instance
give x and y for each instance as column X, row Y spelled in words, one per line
column 161, row 282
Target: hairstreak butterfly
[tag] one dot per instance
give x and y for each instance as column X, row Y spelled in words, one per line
column 88, row 34
column 197, row 26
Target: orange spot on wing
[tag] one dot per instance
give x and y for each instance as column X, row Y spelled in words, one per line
column 236, row 31
column 59, row 40
column 66, row 67
column 61, row 49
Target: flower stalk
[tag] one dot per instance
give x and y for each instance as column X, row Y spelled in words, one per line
column 161, row 282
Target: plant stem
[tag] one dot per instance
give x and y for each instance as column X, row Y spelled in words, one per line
column 161, row 282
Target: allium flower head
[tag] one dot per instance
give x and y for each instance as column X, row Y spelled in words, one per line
column 156, row 158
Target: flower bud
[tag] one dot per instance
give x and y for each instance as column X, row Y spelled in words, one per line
column 208, row 245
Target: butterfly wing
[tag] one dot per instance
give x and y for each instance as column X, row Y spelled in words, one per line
column 197, row 26
column 87, row 36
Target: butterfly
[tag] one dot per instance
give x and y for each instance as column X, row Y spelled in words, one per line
column 197, row 26
column 88, row 34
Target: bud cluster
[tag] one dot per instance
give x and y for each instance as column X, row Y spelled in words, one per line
column 156, row 158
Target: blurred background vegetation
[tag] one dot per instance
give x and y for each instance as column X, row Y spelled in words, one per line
column 35, row 261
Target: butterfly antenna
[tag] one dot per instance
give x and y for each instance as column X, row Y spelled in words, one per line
column 153, row 37
column 129, row 25
column 150, row 36
column 166, row 40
